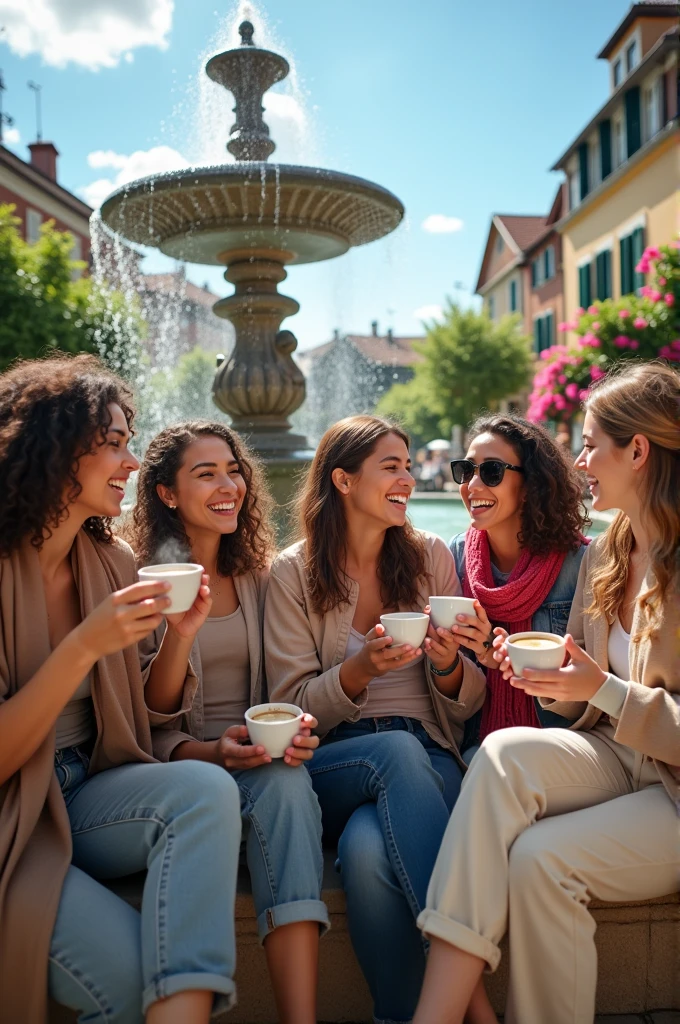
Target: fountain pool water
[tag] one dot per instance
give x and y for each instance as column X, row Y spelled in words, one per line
column 446, row 516
column 254, row 218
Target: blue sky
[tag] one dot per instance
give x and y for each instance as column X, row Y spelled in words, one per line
column 460, row 108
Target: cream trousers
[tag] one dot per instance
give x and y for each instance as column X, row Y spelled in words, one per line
column 546, row 820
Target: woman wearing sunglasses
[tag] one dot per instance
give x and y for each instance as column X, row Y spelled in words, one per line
column 520, row 557
column 563, row 816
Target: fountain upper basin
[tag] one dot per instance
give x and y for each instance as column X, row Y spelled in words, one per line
column 201, row 214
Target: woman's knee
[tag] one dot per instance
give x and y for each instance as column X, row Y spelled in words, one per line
column 201, row 787
column 506, row 747
column 399, row 752
column 278, row 789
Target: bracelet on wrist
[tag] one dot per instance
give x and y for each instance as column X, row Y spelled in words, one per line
column 445, row 671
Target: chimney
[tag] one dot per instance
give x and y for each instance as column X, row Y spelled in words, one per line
column 374, row 328
column 390, row 336
column 336, row 334
column 44, row 158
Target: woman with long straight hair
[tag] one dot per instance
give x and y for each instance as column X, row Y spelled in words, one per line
column 388, row 770
column 520, row 557
column 81, row 796
column 202, row 496
column 561, row 816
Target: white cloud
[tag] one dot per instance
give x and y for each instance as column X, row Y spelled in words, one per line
column 11, row 136
column 440, row 224
column 93, row 33
column 136, row 165
column 433, row 312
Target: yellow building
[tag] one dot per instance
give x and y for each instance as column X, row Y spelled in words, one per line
column 623, row 169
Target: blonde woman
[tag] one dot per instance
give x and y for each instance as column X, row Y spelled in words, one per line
column 562, row 816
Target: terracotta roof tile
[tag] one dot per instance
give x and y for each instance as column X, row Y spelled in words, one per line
column 524, row 230
column 395, row 352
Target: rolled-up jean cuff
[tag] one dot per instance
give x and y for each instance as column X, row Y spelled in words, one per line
column 170, row 985
column 439, row 926
column 291, row 913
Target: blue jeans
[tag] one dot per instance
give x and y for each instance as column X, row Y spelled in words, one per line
column 283, row 845
column 180, row 822
column 386, row 791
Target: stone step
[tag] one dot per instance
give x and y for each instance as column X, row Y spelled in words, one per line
column 638, row 953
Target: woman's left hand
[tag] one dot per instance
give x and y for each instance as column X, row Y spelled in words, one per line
column 578, row 681
column 441, row 646
column 304, row 744
column 187, row 624
column 476, row 633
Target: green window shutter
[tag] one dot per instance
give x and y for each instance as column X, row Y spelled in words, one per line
column 548, row 330
column 626, row 252
column 513, row 296
column 583, row 169
column 584, row 292
column 546, row 266
column 605, row 148
column 537, row 336
column 633, row 121
column 637, row 248
column 603, row 274
column 534, row 273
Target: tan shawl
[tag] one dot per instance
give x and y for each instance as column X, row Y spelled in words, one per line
column 650, row 717
column 35, row 835
column 250, row 590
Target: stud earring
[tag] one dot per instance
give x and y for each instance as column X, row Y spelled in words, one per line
column 172, row 506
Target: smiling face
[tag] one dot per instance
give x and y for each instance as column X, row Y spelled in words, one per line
column 612, row 473
column 381, row 488
column 103, row 473
column 489, row 507
column 209, row 489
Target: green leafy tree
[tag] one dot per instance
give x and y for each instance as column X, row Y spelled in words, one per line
column 470, row 364
column 43, row 308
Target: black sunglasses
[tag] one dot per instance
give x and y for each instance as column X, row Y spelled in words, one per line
column 491, row 472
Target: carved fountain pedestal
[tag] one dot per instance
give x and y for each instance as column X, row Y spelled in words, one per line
column 254, row 218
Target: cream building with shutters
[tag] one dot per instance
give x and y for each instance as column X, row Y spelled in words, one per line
column 623, row 169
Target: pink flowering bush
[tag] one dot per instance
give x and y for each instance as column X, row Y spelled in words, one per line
column 645, row 325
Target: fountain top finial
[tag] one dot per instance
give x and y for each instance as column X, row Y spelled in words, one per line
column 246, row 30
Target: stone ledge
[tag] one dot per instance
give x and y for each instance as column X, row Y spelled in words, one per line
column 638, row 948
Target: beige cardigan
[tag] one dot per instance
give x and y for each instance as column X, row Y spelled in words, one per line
column 250, row 590
column 649, row 722
column 304, row 650
column 35, row 834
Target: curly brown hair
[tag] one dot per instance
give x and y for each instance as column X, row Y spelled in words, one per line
column 52, row 412
column 321, row 521
column 553, row 515
column 153, row 525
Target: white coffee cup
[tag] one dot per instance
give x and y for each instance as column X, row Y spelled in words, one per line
column 406, row 627
column 443, row 610
column 273, row 736
column 548, row 657
column 184, row 579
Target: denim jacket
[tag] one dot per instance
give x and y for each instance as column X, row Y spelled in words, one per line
column 551, row 617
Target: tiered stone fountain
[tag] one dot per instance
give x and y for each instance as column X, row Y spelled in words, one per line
column 255, row 218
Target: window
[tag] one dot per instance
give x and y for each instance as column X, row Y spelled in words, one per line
column 631, row 56
column 500, row 244
column 618, row 73
column 513, row 297
column 619, row 146
column 573, row 190
column 76, row 254
column 549, row 263
column 603, row 274
column 585, row 291
column 631, row 247
column 33, row 222
column 536, row 273
column 653, row 108
column 593, row 165
column 543, row 331
column 491, row 306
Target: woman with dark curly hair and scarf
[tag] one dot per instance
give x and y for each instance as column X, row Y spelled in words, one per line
column 201, row 496
column 520, row 557
column 81, row 795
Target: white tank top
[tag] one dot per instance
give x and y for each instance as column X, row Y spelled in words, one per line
column 617, row 650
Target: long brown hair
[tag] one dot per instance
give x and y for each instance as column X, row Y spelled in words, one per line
column 553, row 516
column 52, row 412
column 642, row 399
column 322, row 523
column 154, row 526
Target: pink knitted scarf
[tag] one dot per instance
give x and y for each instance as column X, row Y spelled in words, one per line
column 512, row 606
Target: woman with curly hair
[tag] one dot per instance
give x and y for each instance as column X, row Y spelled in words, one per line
column 81, row 795
column 563, row 816
column 388, row 770
column 201, row 496
column 520, row 557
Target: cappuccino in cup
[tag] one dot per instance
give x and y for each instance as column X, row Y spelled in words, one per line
column 274, row 716
column 535, row 650
column 539, row 643
column 273, row 726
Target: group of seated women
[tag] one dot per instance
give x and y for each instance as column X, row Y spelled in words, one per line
column 459, row 799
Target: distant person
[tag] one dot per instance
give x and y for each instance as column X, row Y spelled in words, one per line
column 559, row 817
column 520, row 557
column 202, row 491
column 388, row 770
column 81, row 796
